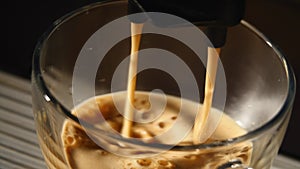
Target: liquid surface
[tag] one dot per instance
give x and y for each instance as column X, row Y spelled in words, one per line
column 82, row 153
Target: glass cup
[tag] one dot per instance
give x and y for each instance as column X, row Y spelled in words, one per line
column 260, row 89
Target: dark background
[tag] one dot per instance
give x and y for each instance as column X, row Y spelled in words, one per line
column 25, row 21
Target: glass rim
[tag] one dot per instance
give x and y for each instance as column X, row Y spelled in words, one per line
column 39, row 81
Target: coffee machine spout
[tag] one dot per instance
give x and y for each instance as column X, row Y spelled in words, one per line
column 213, row 16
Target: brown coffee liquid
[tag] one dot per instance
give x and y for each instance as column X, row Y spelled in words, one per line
column 136, row 30
column 199, row 134
column 82, row 153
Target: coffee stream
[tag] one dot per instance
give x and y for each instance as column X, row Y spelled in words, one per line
column 199, row 133
column 136, row 31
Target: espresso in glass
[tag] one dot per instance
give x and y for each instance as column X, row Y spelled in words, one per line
column 83, row 153
column 251, row 128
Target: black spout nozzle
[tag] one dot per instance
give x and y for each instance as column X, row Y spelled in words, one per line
column 214, row 15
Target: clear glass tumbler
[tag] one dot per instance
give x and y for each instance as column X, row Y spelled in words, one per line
column 260, row 89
